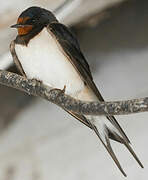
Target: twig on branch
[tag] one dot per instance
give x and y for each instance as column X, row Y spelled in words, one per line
column 57, row 96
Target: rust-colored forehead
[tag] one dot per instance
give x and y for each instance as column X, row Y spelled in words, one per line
column 22, row 20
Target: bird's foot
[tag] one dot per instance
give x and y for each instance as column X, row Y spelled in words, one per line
column 39, row 82
column 64, row 89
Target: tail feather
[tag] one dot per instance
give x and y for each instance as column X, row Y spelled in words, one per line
column 120, row 139
column 115, row 123
column 133, row 153
column 111, row 132
column 108, row 147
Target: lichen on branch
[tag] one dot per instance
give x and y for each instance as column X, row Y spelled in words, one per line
column 57, row 96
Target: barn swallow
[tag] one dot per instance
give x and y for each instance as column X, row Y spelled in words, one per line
column 47, row 50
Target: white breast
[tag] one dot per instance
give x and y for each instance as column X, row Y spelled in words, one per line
column 44, row 60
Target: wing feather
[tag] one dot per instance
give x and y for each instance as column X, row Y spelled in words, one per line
column 15, row 58
column 71, row 47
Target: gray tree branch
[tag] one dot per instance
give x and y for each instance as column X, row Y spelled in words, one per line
column 57, row 96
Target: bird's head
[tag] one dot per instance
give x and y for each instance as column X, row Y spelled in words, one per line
column 32, row 18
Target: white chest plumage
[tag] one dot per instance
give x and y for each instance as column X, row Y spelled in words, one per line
column 44, row 60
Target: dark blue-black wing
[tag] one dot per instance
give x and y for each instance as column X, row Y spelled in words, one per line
column 71, row 47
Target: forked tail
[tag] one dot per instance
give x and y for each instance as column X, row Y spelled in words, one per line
column 108, row 129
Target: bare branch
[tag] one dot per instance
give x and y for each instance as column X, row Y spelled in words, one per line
column 57, row 96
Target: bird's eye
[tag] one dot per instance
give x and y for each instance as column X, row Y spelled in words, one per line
column 30, row 21
column 33, row 20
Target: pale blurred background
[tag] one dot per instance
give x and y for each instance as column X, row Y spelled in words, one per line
column 38, row 140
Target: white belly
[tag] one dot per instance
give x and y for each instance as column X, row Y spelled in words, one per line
column 44, row 60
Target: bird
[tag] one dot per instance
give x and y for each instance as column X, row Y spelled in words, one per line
column 47, row 50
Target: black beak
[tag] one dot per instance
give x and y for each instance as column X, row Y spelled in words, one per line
column 20, row 25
